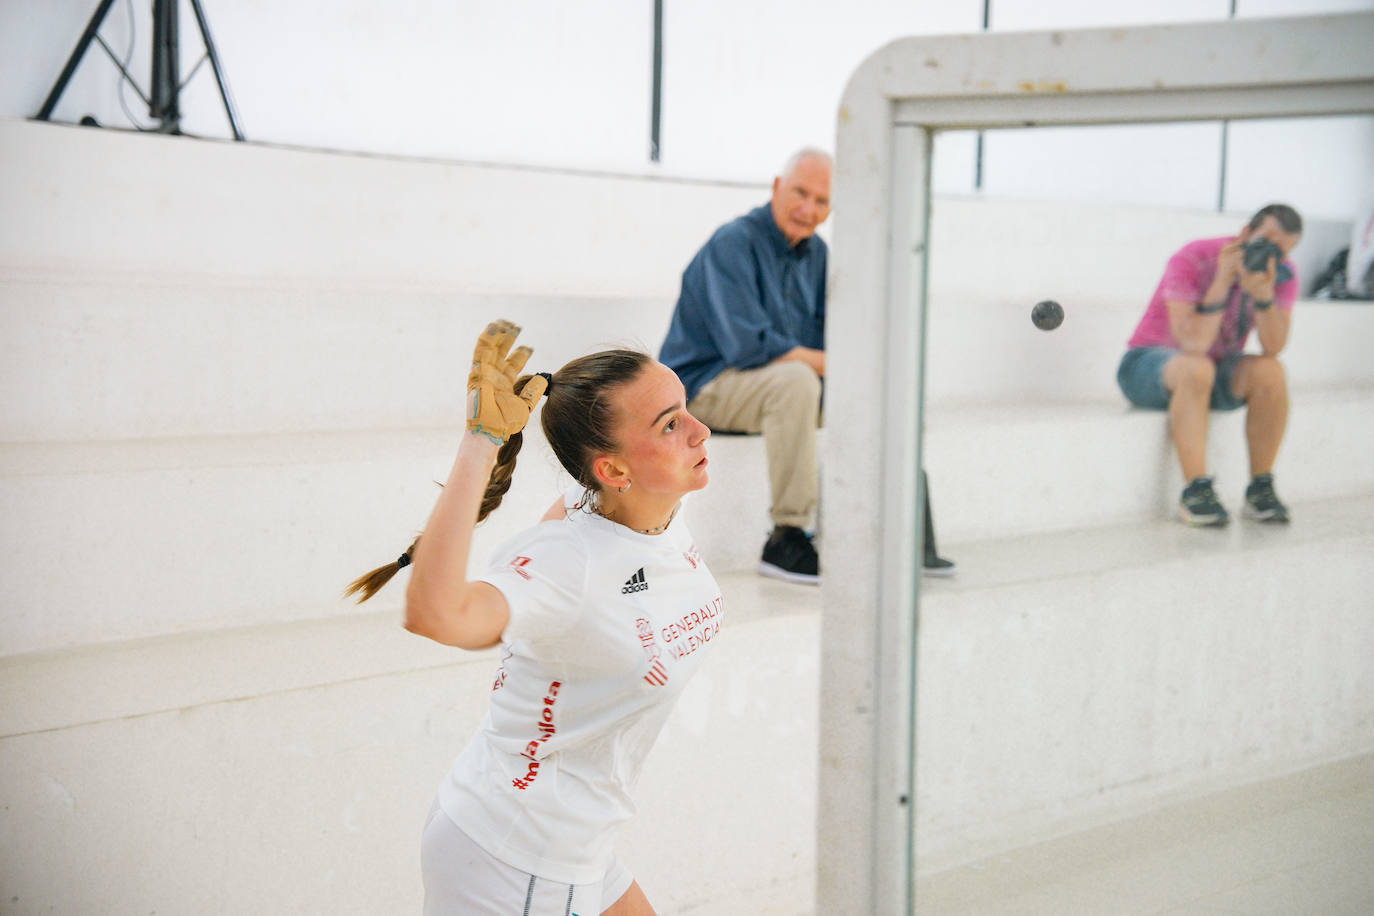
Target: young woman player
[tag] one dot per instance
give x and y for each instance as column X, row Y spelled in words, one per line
column 595, row 608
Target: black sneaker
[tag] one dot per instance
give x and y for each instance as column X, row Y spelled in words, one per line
column 1262, row 503
column 1199, row 505
column 789, row 555
column 938, row 566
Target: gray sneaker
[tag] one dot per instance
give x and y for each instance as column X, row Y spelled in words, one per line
column 1199, row 506
column 1262, row 503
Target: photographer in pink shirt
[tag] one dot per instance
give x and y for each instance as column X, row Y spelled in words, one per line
column 1186, row 355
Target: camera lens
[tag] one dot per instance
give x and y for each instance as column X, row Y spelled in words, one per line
column 1257, row 254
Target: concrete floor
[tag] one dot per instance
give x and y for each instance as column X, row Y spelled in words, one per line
column 1302, row 844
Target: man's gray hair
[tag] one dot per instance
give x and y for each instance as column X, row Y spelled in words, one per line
column 801, row 155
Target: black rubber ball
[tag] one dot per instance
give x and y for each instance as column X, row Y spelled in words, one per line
column 1047, row 315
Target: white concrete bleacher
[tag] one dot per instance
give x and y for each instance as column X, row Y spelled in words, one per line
column 229, row 376
column 282, row 324
column 1026, row 430
column 1094, row 657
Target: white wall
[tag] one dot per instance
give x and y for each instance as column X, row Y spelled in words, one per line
column 569, row 85
column 541, row 82
column 1329, row 182
column 745, row 84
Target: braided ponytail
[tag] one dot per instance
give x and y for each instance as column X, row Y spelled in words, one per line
column 499, row 483
column 368, row 584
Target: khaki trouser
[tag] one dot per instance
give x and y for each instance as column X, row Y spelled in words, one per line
column 782, row 401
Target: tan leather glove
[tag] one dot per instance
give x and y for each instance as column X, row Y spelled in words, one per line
column 494, row 409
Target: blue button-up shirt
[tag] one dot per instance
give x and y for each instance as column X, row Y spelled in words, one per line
column 747, row 298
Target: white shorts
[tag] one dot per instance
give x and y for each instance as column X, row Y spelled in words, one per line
column 463, row 878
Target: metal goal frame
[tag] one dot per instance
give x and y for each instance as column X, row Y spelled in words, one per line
column 875, row 340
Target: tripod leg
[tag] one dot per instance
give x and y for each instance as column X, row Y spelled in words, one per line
column 214, row 65
column 165, row 92
column 929, row 550
column 92, row 27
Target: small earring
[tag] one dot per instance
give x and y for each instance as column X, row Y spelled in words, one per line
column 623, row 489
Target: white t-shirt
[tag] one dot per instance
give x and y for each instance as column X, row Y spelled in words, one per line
column 606, row 626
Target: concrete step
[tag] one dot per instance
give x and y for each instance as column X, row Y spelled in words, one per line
column 1070, row 679
column 1081, row 251
column 100, row 683
column 176, row 534
column 146, row 204
column 112, row 199
column 1005, row 470
column 987, row 351
column 100, row 355
column 123, row 540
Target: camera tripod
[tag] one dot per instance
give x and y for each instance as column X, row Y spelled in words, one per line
column 162, row 99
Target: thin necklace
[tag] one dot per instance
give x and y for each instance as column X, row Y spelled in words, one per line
column 597, row 509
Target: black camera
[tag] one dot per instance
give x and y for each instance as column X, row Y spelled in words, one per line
column 1258, row 251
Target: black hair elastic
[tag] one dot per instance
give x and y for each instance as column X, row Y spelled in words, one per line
column 548, row 381
column 403, row 561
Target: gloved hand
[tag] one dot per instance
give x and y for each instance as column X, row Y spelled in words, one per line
column 494, row 409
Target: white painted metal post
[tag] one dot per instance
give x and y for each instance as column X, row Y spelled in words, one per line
column 875, row 345
column 867, row 678
column 902, row 400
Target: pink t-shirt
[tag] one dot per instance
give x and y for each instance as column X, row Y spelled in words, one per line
column 1186, row 278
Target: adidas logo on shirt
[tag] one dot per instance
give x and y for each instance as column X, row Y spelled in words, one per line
column 636, row 583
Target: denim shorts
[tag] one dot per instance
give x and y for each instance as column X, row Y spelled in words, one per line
column 1141, row 378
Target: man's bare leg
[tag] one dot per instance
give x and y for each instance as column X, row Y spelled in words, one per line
column 1260, row 381
column 1188, row 377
